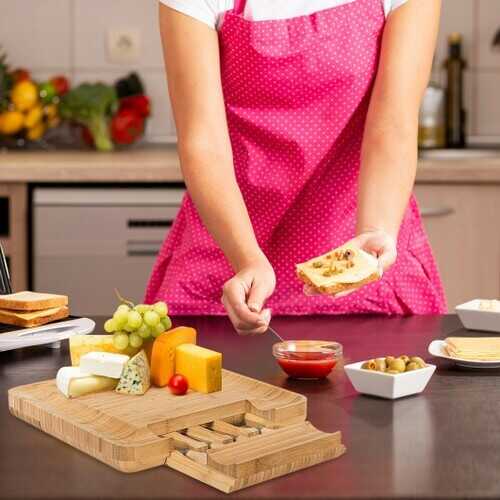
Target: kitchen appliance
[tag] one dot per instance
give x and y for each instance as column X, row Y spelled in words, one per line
column 88, row 241
column 245, row 434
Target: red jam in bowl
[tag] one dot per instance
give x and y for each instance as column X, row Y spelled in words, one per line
column 307, row 359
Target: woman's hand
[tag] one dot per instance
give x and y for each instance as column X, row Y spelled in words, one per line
column 380, row 244
column 245, row 294
column 376, row 242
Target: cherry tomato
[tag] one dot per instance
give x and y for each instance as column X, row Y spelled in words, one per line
column 178, row 385
column 61, row 84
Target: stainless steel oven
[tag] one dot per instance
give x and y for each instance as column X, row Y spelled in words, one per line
column 88, row 241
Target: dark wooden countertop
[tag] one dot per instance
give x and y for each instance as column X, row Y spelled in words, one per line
column 441, row 444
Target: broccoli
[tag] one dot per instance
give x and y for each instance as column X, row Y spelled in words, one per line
column 91, row 105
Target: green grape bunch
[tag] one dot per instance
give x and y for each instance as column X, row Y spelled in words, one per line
column 132, row 324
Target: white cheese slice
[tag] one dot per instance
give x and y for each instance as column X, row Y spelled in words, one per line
column 105, row 364
column 73, row 382
column 365, row 265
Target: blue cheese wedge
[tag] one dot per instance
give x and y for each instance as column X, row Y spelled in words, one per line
column 73, row 382
column 136, row 375
column 105, row 364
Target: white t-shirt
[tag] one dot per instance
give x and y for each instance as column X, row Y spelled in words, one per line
column 210, row 11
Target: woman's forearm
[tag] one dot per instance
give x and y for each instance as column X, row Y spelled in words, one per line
column 389, row 153
column 211, row 182
column 193, row 70
column 389, row 161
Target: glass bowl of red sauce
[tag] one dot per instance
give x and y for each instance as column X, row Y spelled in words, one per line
column 307, row 359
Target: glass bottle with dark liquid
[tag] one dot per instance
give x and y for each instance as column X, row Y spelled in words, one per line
column 455, row 112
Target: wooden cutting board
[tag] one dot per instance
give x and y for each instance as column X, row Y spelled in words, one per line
column 245, row 434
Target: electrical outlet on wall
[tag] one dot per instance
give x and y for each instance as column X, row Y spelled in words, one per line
column 124, row 45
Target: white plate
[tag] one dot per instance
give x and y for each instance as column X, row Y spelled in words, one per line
column 436, row 348
column 474, row 318
column 387, row 385
column 51, row 334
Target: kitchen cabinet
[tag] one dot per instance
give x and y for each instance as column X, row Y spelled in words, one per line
column 14, row 233
column 462, row 224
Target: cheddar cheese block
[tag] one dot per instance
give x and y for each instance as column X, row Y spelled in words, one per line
column 33, row 318
column 163, row 353
column 339, row 270
column 201, row 367
column 474, row 348
column 32, row 301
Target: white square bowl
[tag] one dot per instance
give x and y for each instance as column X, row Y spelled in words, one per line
column 474, row 318
column 387, row 385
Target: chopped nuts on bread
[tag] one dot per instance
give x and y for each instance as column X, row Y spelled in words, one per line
column 339, row 270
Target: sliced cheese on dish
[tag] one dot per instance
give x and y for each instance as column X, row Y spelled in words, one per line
column 136, row 376
column 163, row 353
column 474, row 348
column 105, row 364
column 201, row 367
column 83, row 344
column 74, row 382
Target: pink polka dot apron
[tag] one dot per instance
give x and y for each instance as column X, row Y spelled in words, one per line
column 297, row 93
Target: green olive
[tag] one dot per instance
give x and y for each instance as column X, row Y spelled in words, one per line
column 420, row 362
column 380, row 365
column 397, row 364
column 405, row 358
column 369, row 365
column 412, row 366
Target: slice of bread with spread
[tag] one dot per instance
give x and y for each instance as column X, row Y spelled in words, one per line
column 340, row 270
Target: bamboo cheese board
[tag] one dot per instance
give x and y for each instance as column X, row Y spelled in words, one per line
column 247, row 433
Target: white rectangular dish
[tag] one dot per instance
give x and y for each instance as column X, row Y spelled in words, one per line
column 386, row 385
column 473, row 318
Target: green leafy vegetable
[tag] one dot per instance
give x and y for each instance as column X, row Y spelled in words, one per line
column 91, row 105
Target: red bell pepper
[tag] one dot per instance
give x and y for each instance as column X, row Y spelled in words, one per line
column 139, row 103
column 127, row 126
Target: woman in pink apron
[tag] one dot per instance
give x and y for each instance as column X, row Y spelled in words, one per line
column 296, row 135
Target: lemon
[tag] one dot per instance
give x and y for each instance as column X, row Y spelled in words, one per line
column 35, row 133
column 11, row 123
column 24, row 95
column 33, row 116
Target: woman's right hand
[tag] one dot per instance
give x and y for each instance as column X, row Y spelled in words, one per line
column 245, row 294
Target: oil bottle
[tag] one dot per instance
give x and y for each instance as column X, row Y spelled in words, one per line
column 455, row 112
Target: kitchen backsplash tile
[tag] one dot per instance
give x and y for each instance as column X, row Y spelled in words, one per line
column 94, row 18
column 37, row 33
column 488, row 25
column 488, row 106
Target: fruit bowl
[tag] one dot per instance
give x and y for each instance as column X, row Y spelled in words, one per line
column 307, row 359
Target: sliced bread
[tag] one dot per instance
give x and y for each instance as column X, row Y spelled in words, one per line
column 32, row 301
column 33, row 318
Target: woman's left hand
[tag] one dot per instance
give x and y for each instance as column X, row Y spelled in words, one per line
column 376, row 242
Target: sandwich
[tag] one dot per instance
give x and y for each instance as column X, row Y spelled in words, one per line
column 30, row 309
column 340, row 270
